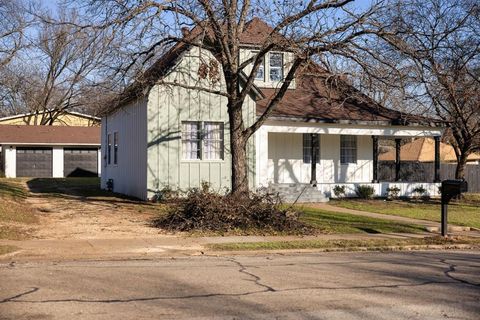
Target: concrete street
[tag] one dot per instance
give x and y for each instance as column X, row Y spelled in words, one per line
column 397, row 285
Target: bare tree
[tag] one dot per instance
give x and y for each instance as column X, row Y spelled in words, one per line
column 437, row 44
column 12, row 27
column 56, row 71
column 310, row 29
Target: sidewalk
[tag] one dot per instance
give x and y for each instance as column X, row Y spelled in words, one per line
column 163, row 246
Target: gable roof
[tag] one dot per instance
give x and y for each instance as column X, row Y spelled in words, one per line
column 49, row 135
column 315, row 97
column 423, row 150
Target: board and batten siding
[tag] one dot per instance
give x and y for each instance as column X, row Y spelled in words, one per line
column 168, row 106
column 130, row 174
column 285, row 160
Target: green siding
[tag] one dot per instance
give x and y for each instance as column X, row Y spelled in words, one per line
column 168, row 106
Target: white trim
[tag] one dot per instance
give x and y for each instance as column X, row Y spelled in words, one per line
column 348, row 129
column 406, row 188
column 58, row 162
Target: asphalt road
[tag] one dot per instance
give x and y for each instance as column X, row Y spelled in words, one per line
column 401, row 285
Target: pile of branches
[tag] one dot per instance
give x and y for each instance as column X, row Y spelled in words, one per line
column 206, row 211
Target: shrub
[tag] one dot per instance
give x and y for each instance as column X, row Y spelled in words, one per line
column 365, row 192
column 339, row 191
column 392, row 192
column 204, row 210
column 419, row 191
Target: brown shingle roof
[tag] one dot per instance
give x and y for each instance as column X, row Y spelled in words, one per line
column 10, row 134
column 320, row 96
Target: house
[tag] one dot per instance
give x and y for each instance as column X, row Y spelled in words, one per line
column 423, row 150
column 66, row 118
column 49, row 151
column 160, row 134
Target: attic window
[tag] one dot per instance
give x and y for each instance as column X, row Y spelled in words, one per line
column 276, row 66
column 261, row 68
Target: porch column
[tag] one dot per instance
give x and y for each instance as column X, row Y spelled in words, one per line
column 313, row 158
column 375, row 159
column 397, row 159
column 437, row 159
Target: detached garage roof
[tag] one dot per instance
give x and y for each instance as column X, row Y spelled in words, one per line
column 49, row 135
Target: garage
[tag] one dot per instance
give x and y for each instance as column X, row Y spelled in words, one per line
column 34, row 162
column 80, row 162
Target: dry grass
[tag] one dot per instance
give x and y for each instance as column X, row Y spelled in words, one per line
column 7, row 249
column 15, row 213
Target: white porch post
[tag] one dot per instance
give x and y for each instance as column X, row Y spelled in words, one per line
column 262, row 157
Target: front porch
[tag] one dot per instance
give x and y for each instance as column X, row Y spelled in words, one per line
column 326, row 155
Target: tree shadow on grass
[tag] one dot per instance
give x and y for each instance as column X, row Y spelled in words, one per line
column 83, row 189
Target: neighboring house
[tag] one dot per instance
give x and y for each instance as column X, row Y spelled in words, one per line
column 423, row 150
column 161, row 135
column 67, row 118
column 49, row 151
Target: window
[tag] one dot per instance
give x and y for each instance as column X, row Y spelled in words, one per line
column 115, row 148
column 209, row 140
column 276, row 66
column 307, row 148
column 213, row 140
column 261, row 69
column 191, row 140
column 109, row 148
column 348, row 149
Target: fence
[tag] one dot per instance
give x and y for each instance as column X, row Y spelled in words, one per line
column 424, row 172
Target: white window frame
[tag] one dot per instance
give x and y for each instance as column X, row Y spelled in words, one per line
column 270, row 67
column 190, row 140
column 348, row 149
column 115, row 148
column 109, row 149
column 261, row 67
column 209, row 142
column 203, row 142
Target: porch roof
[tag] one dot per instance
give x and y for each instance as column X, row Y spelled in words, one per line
column 322, row 97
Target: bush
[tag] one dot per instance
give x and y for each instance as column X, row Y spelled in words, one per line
column 365, row 192
column 339, row 191
column 419, row 191
column 392, row 192
column 204, row 210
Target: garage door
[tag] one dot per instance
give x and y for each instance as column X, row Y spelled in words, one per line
column 34, row 162
column 80, row 162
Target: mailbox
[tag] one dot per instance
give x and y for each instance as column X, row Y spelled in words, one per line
column 453, row 188
column 450, row 189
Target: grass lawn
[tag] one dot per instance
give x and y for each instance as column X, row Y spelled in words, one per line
column 14, row 211
column 335, row 222
column 464, row 213
column 351, row 245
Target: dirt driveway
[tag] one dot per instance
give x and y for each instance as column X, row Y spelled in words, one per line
column 76, row 208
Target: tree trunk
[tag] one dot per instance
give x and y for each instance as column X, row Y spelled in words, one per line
column 461, row 163
column 238, row 149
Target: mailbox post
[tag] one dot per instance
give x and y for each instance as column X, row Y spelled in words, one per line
column 450, row 189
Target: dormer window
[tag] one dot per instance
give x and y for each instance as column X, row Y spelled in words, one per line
column 276, row 66
column 261, row 68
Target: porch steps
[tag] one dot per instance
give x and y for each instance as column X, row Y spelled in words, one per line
column 304, row 192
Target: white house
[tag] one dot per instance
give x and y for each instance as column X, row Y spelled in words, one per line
column 49, row 151
column 165, row 135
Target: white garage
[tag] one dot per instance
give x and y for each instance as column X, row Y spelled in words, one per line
column 50, row 151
